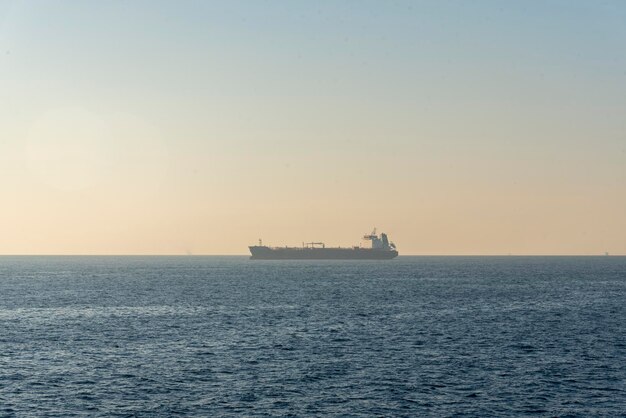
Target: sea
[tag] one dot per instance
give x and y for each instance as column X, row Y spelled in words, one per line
column 227, row 336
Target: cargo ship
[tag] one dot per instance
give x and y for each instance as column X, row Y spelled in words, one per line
column 380, row 248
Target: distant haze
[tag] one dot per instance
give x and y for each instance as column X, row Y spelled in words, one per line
column 470, row 127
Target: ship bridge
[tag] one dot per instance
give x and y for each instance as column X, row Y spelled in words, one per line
column 379, row 243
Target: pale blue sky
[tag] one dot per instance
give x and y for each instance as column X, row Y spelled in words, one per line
column 460, row 127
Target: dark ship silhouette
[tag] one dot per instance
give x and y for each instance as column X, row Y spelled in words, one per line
column 381, row 249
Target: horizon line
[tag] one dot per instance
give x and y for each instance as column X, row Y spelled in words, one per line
column 248, row 255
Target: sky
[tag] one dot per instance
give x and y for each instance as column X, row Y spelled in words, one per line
column 198, row 127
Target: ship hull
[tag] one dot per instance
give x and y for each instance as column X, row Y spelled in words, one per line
column 288, row 253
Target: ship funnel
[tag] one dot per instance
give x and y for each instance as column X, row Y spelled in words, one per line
column 385, row 240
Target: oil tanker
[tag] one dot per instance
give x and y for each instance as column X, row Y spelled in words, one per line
column 380, row 249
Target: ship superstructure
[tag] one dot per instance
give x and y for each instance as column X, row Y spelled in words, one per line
column 380, row 248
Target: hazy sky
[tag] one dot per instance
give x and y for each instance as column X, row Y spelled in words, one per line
column 474, row 127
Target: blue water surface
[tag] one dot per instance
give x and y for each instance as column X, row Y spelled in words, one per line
column 214, row 336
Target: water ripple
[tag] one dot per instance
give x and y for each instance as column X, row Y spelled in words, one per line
column 207, row 336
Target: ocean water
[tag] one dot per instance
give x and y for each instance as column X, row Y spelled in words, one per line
column 215, row 336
